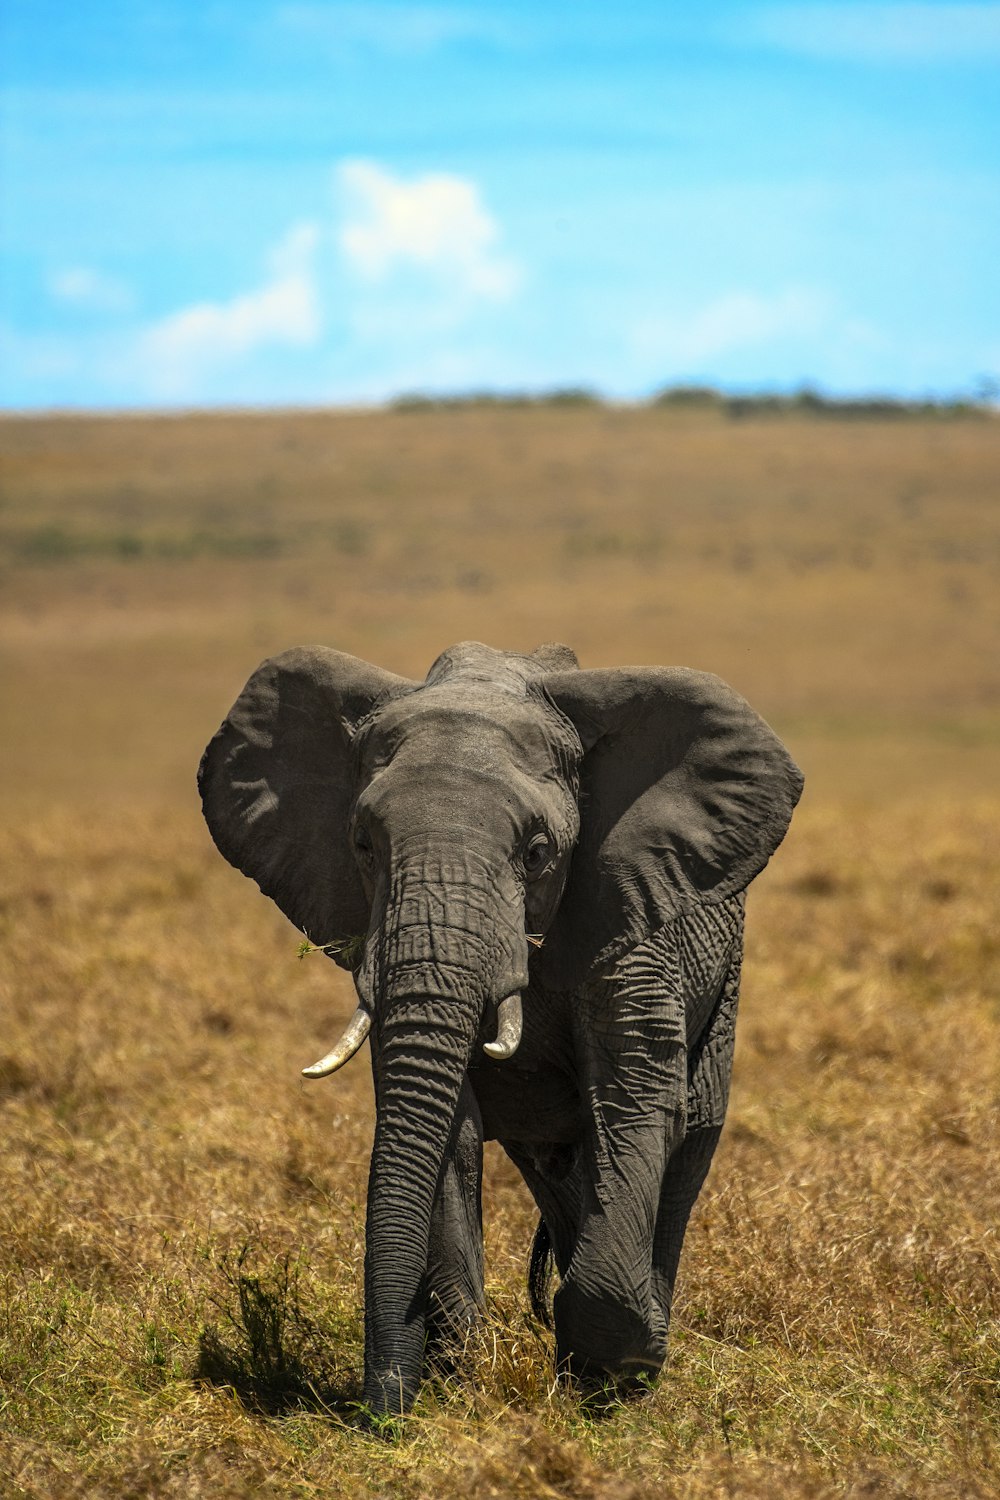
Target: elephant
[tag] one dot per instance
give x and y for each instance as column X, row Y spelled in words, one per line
column 536, row 873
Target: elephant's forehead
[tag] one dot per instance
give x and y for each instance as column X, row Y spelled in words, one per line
column 469, row 726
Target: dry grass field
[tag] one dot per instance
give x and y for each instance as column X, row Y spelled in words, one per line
column 182, row 1217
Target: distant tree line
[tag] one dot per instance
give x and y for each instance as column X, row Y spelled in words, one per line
column 562, row 396
column 804, row 402
column 810, row 402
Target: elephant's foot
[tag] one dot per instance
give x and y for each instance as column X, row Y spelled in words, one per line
column 600, row 1391
column 609, row 1347
column 388, row 1393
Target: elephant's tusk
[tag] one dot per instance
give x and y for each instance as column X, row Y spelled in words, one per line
column 354, row 1035
column 508, row 1030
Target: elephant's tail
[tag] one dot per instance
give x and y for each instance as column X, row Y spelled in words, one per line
column 539, row 1274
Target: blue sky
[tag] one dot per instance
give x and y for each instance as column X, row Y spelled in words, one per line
column 222, row 203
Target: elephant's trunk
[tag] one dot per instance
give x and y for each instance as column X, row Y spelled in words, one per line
column 444, row 946
column 420, row 1071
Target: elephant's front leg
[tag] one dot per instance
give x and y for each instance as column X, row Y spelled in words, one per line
column 709, row 1071
column 455, row 1297
column 609, row 1323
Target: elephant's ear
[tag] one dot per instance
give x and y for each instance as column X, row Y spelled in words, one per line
column 685, row 794
column 276, row 784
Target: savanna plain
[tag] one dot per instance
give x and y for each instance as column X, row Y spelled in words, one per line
column 181, row 1216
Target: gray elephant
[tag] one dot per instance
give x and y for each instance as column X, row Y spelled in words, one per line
column 536, row 874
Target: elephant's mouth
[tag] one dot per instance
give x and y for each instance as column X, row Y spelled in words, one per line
column 503, row 1047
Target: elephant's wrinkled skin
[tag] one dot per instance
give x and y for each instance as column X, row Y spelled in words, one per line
column 616, row 815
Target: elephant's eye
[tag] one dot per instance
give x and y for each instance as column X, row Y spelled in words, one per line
column 363, row 842
column 537, row 854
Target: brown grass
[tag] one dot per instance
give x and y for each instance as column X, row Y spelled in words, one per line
column 182, row 1218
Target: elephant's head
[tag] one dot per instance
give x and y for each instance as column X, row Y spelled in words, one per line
column 442, row 838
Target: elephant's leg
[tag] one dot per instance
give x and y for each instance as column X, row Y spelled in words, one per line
column 630, row 1042
column 609, row 1324
column 709, row 1071
column 685, row 1175
column 455, row 1297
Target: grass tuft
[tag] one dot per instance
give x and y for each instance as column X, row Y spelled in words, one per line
column 265, row 1346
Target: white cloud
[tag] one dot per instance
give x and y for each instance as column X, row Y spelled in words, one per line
column 177, row 352
column 436, row 224
column 735, row 321
column 419, row 274
column 878, row 33
column 83, row 287
column 419, row 280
